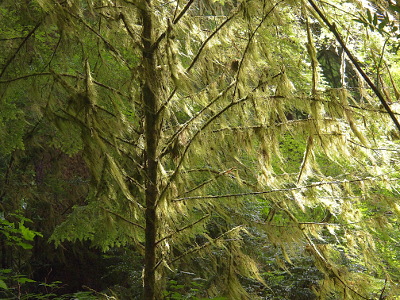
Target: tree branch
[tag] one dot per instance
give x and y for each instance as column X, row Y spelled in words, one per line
column 123, row 218
column 198, row 248
column 187, row 123
column 64, row 75
column 205, row 125
column 182, row 229
column 175, row 21
column 107, row 43
column 249, row 42
column 332, row 28
column 11, row 58
column 312, row 185
column 219, row 174
column 187, row 6
column 209, row 38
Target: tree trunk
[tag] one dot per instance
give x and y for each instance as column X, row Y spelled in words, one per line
column 150, row 98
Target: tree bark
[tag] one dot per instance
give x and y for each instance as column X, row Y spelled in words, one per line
column 150, row 98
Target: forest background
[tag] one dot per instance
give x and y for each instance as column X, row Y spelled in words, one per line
column 195, row 149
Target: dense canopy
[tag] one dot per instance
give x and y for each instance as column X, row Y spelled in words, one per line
column 187, row 149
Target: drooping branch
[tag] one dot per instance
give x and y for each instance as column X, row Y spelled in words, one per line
column 204, row 109
column 139, row 167
column 182, row 229
column 11, row 58
column 122, row 218
column 333, row 29
column 318, row 255
column 210, row 37
column 175, row 21
column 246, row 50
column 205, row 245
column 198, row 114
column 312, row 185
column 205, row 125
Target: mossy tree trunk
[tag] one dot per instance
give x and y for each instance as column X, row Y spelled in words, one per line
column 150, row 98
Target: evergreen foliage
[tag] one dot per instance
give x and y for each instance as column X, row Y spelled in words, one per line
column 208, row 137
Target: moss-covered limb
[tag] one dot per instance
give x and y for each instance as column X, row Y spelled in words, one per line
column 107, row 43
column 196, row 116
column 381, row 177
column 168, row 236
column 250, row 40
column 206, row 41
column 206, row 244
column 14, row 54
column 223, row 111
column 174, row 22
column 333, row 29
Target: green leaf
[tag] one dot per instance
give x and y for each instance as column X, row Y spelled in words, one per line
column 26, row 233
column 3, row 285
column 25, row 280
column 24, row 245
